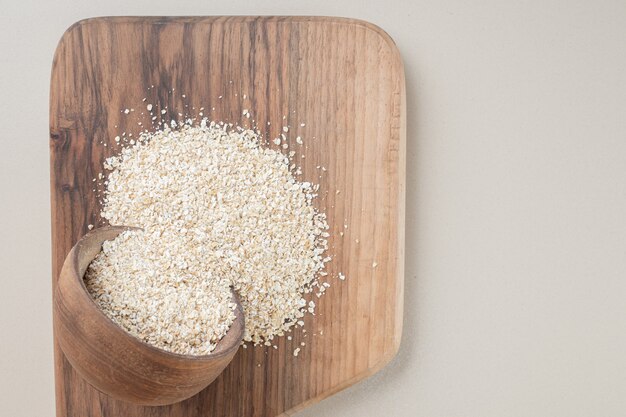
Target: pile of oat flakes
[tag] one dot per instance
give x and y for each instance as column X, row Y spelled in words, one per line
column 218, row 210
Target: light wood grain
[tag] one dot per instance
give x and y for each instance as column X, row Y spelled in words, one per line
column 112, row 360
column 344, row 80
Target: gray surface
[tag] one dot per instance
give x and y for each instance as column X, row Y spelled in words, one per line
column 516, row 189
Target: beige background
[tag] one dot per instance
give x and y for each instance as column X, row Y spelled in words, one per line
column 516, row 204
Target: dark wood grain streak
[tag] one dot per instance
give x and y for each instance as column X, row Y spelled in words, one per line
column 344, row 80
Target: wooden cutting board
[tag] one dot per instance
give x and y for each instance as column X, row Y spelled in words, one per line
column 339, row 84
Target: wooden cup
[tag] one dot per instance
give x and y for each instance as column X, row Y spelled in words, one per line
column 112, row 360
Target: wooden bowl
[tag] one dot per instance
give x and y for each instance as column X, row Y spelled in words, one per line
column 112, row 360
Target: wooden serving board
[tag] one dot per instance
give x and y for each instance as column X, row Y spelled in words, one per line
column 339, row 84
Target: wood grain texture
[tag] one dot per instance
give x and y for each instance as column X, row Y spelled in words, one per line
column 112, row 360
column 344, row 80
